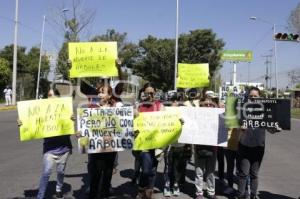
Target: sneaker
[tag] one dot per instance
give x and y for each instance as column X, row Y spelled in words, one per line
column 59, row 194
column 167, row 192
column 228, row 191
column 253, row 197
column 176, row 191
column 199, row 197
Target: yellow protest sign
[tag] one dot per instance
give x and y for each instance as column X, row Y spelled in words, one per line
column 45, row 118
column 156, row 129
column 93, row 59
column 192, row 75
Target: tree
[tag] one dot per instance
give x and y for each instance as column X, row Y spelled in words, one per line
column 7, row 53
column 294, row 19
column 33, row 57
column 5, row 73
column 73, row 29
column 127, row 51
column 156, row 59
column 201, row 46
column 27, row 68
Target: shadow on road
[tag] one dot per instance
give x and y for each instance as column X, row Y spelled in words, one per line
column 84, row 179
column 50, row 190
column 268, row 195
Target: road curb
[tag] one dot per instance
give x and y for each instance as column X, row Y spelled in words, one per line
column 7, row 108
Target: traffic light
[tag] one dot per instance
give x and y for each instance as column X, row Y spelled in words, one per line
column 286, row 37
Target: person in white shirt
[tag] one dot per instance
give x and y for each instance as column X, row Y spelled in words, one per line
column 7, row 92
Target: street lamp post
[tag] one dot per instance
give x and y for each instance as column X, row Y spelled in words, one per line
column 40, row 60
column 275, row 49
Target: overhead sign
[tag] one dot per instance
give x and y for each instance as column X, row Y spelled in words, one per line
column 93, row 59
column 237, row 55
column 193, row 75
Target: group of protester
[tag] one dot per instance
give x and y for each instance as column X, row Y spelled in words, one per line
column 245, row 152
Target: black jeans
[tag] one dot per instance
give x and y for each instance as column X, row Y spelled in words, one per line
column 250, row 159
column 175, row 164
column 100, row 166
column 231, row 160
column 149, row 167
column 220, row 158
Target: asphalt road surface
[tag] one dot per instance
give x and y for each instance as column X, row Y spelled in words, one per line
column 21, row 164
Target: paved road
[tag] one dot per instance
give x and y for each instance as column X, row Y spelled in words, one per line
column 20, row 167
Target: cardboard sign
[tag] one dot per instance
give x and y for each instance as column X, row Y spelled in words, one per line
column 93, row 59
column 266, row 113
column 45, row 118
column 105, row 129
column 156, row 129
column 192, row 75
column 203, row 126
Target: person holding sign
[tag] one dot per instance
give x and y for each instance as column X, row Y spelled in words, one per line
column 175, row 160
column 101, row 164
column 56, row 150
column 251, row 151
column 205, row 160
column 148, row 157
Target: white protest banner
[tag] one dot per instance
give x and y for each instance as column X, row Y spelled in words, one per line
column 105, row 129
column 204, row 126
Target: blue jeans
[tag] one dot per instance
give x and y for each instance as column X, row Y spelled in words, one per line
column 48, row 162
column 149, row 166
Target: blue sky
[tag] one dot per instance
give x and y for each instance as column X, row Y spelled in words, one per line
column 139, row 18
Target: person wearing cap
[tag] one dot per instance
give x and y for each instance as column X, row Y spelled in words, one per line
column 205, row 159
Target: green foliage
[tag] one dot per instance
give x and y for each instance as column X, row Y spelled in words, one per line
column 5, row 73
column 7, row 53
column 200, row 46
column 127, row 51
column 157, row 58
column 156, row 61
column 298, row 86
column 27, row 69
column 294, row 19
column 62, row 61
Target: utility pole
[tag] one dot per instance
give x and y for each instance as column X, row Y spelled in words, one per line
column 14, row 79
column 176, row 46
column 268, row 66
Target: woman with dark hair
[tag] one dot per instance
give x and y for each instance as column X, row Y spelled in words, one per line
column 251, row 152
column 148, row 157
column 101, row 164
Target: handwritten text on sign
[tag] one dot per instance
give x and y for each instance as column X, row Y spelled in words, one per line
column 156, row 129
column 93, row 59
column 193, row 75
column 107, row 129
column 266, row 113
column 205, row 126
column 45, row 118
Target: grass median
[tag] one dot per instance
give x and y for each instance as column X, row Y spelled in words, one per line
column 4, row 108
